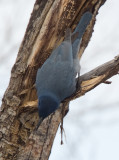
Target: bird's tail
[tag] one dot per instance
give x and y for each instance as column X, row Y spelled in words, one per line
column 82, row 25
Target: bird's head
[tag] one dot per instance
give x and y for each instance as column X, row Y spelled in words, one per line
column 47, row 105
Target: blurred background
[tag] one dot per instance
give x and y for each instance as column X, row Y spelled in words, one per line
column 92, row 124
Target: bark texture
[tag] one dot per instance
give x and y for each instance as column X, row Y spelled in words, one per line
column 18, row 116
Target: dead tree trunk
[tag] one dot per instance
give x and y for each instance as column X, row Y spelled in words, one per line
column 18, row 116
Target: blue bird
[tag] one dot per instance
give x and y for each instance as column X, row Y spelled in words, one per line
column 56, row 79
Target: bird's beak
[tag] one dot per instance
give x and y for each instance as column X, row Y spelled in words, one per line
column 39, row 123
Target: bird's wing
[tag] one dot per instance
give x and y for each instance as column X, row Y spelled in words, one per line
column 64, row 51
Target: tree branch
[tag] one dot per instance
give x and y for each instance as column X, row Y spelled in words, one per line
column 99, row 75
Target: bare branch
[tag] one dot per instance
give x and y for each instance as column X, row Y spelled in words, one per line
column 99, row 75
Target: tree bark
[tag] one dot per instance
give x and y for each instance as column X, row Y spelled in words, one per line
column 19, row 114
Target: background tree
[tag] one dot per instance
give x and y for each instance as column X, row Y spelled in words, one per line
column 19, row 111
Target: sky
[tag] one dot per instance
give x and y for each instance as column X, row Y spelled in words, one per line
column 92, row 124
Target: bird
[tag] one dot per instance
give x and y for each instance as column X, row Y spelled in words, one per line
column 56, row 79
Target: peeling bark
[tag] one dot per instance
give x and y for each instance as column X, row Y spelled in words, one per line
column 18, row 116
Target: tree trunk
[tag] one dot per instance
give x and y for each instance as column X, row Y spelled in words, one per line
column 19, row 114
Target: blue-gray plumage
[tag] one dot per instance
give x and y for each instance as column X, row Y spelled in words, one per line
column 56, row 79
